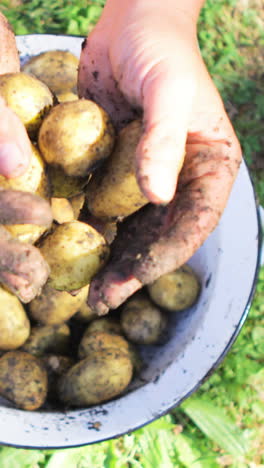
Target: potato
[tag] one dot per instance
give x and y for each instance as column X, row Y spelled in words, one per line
column 62, row 210
column 63, row 186
column 85, row 313
column 53, row 307
column 77, row 202
column 177, row 290
column 76, row 136
column 14, row 324
column 99, row 341
column 28, row 97
column 23, row 380
column 27, row 233
column 95, row 379
column 56, row 68
column 67, row 96
column 141, row 321
column 105, row 324
column 56, row 366
column 34, row 180
column 48, row 339
column 75, row 252
column 113, row 192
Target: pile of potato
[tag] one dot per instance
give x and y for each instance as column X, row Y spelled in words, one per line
column 55, row 348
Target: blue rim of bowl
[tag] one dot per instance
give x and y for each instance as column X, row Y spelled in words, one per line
column 214, row 366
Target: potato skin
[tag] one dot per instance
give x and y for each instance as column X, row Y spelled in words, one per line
column 64, row 186
column 62, row 210
column 95, row 379
column 113, row 192
column 56, row 68
column 105, row 324
column 141, row 321
column 14, row 323
column 48, row 339
column 177, row 290
column 23, row 380
column 78, row 152
column 100, row 341
column 54, row 307
column 75, row 252
column 28, row 97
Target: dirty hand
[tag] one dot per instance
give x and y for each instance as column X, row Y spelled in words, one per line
column 144, row 56
column 22, row 268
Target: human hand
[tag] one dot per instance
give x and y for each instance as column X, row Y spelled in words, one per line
column 144, row 57
column 22, row 268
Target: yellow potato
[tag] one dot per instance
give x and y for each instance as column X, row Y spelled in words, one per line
column 67, row 96
column 99, row 341
column 53, row 307
column 85, row 313
column 27, row 233
column 113, row 192
column 28, row 97
column 105, row 324
column 14, row 324
column 141, row 321
column 48, row 339
column 177, row 290
column 56, row 68
column 55, row 366
column 76, row 136
column 74, row 252
column 77, row 202
column 23, row 380
column 62, row 210
column 64, row 186
column 97, row 378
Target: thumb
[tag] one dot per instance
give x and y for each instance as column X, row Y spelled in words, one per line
column 15, row 147
column 167, row 104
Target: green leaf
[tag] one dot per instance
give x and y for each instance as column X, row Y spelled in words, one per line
column 20, row 458
column 189, row 454
column 214, row 423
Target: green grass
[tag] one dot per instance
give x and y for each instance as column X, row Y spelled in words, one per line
column 222, row 424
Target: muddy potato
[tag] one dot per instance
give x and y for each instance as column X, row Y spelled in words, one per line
column 177, row 290
column 77, row 152
column 95, row 379
column 56, row 68
column 99, row 341
column 64, row 186
column 141, row 321
column 23, row 380
column 84, row 313
column 48, row 339
column 105, row 324
column 62, row 210
column 54, row 307
column 14, row 324
column 74, row 252
column 113, row 192
column 28, row 97
column 56, row 366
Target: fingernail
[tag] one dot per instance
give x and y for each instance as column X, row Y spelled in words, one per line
column 12, row 161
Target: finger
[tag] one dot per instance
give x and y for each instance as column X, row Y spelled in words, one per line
column 18, row 207
column 160, row 239
column 15, row 147
column 22, row 269
column 167, row 103
column 9, row 59
column 96, row 82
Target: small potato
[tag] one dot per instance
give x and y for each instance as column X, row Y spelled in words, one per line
column 76, row 136
column 27, row 233
column 113, row 192
column 75, row 252
column 56, row 68
column 67, row 96
column 84, row 313
column 54, row 307
column 56, row 366
column 97, row 378
column 23, row 380
column 64, row 186
column 77, row 202
column 99, row 341
column 177, row 290
column 48, row 339
column 34, row 180
column 141, row 321
column 28, row 97
column 14, row 324
column 105, row 324
column 62, row 210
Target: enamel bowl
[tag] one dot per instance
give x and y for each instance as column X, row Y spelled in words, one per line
column 227, row 265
